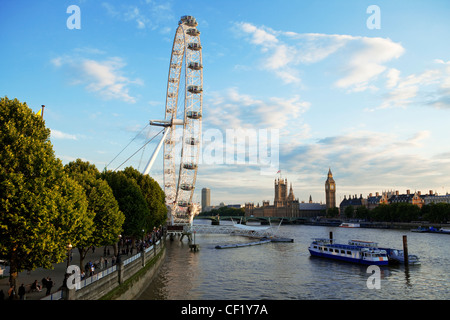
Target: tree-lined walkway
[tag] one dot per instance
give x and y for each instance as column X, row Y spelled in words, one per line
column 56, row 274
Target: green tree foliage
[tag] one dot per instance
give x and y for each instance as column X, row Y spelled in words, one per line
column 102, row 206
column 361, row 212
column 225, row 212
column 332, row 212
column 436, row 212
column 41, row 208
column 131, row 202
column 349, row 212
column 154, row 196
column 395, row 212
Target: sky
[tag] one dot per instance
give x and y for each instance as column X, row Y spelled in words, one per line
column 341, row 85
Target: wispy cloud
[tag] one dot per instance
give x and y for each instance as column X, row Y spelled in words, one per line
column 56, row 134
column 150, row 14
column 371, row 160
column 104, row 77
column 429, row 88
column 232, row 109
column 358, row 60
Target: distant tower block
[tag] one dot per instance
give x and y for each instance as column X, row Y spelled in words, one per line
column 330, row 191
column 206, row 198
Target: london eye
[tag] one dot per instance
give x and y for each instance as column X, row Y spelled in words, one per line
column 182, row 124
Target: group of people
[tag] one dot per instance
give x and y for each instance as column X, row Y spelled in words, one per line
column 47, row 283
column 126, row 247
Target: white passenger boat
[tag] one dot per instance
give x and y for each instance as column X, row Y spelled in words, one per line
column 368, row 255
column 349, row 225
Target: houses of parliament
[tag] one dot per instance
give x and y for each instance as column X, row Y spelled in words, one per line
column 286, row 205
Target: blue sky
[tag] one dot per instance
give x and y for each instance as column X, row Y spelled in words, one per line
column 371, row 104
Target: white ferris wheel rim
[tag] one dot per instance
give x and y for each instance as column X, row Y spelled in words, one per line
column 180, row 179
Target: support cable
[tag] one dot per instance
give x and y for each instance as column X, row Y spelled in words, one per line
column 139, row 149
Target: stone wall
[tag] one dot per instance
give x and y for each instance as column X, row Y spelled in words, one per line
column 130, row 277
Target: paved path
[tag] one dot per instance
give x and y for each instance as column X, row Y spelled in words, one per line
column 56, row 274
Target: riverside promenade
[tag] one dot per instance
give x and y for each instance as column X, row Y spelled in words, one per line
column 56, row 274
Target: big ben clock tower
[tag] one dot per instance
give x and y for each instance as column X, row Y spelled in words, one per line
column 330, row 191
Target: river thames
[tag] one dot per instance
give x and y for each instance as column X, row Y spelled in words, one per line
column 286, row 271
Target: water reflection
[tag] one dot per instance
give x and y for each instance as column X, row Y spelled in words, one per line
column 281, row 271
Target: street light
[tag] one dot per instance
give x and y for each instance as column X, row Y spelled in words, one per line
column 68, row 247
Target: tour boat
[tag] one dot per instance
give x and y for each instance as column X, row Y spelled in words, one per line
column 349, row 225
column 368, row 254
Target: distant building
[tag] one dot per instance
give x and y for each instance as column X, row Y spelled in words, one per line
column 413, row 198
column 390, row 197
column 375, row 201
column 330, row 191
column 354, row 201
column 206, row 199
column 285, row 204
column 434, row 198
column 311, row 209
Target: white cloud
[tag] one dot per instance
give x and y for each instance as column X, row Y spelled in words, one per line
column 424, row 89
column 369, row 161
column 104, row 77
column 358, row 60
column 232, row 109
column 367, row 62
column 150, row 15
column 61, row 135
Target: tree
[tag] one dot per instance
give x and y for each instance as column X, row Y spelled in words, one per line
column 42, row 209
column 154, row 196
column 332, row 212
column 349, row 212
column 102, row 207
column 436, row 212
column 362, row 212
column 131, row 202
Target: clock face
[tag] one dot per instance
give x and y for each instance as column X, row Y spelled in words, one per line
column 332, row 187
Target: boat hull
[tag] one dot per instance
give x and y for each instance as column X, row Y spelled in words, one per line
column 348, row 259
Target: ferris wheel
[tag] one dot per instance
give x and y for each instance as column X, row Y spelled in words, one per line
column 184, row 110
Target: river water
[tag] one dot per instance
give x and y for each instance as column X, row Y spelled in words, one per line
column 286, row 271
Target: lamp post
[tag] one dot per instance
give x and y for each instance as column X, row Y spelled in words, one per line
column 69, row 247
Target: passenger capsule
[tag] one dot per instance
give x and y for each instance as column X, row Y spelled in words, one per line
column 183, row 203
column 193, row 114
column 186, row 187
column 192, row 141
column 195, row 65
column 194, row 46
column 193, row 32
column 195, row 89
column 190, row 166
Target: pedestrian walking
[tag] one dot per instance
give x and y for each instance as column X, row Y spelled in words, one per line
column 44, row 283
column 49, row 285
column 11, row 293
column 22, row 292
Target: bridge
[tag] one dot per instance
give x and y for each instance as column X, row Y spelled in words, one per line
column 215, row 220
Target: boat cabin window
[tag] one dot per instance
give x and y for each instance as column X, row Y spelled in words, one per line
column 349, row 252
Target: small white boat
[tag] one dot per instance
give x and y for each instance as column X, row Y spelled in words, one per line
column 349, row 225
column 399, row 256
